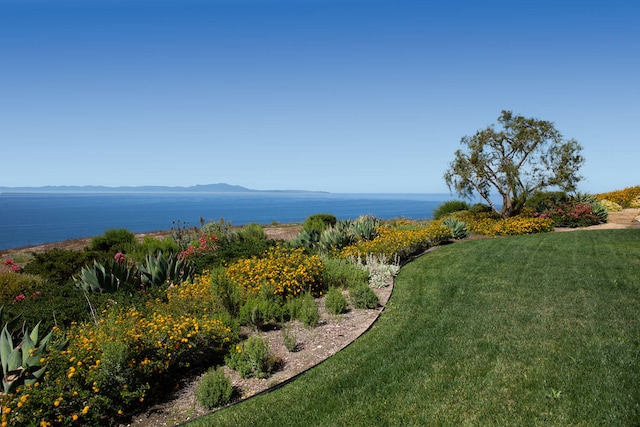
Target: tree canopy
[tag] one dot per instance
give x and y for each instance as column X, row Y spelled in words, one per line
column 525, row 155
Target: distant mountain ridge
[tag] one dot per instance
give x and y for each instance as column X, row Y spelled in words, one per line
column 208, row 188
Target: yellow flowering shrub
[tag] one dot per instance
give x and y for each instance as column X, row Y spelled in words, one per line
column 287, row 273
column 610, row 206
column 399, row 239
column 488, row 224
column 626, row 198
column 118, row 361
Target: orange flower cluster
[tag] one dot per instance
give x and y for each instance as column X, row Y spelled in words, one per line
column 627, row 198
column 286, row 272
column 399, row 239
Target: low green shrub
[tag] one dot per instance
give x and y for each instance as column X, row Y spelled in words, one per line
column 342, row 274
column 214, row 389
column 335, row 302
column 308, row 312
column 60, row 265
column 113, row 240
column 450, row 207
column 363, row 297
column 289, row 338
column 540, row 201
column 480, row 208
column 259, row 311
column 251, row 358
column 319, row 222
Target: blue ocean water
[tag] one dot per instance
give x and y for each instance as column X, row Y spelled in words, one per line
column 28, row 219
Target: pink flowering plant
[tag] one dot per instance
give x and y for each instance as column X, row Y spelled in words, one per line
column 13, row 267
column 571, row 215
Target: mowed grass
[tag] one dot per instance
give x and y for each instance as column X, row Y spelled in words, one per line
column 539, row 330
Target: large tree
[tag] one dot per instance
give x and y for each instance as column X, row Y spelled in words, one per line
column 525, row 155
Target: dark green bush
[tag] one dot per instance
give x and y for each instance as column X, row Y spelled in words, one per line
column 363, row 297
column 480, row 208
column 335, row 302
column 60, row 265
column 214, row 389
column 113, row 240
column 319, row 222
column 541, row 201
column 450, row 207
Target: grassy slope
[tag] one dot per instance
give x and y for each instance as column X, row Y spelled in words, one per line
column 532, row 330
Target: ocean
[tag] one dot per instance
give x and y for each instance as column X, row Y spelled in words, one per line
column 28, row 219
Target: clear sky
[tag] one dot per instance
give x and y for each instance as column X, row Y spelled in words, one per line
column 335, row 95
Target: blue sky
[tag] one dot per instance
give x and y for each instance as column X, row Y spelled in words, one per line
column 340, row 96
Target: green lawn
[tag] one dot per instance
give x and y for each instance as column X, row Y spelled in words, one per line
column 533, row 330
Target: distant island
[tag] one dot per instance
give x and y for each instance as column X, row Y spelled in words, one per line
column 209, row 188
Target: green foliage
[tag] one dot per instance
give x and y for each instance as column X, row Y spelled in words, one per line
column 449, row 207
column 214, row 389
column 308, row 312
column 319, row 222
column 160, row 270
column 24, row 362
column 60, row 265
column 259, row 311
column 151, row 245
column 480, row 208
column 335, row 302
column 363, row 297
column 251, row 358
column 218, row 243
column 540, row 201
column 108, row 278
column 289, row 338
column 365, row 227
column 227, row 293
column 526, row 155
column 458, row 228
column 113, row 240
column 12, row 285
column 307, row 239
column 342, row 274
column 335, row 237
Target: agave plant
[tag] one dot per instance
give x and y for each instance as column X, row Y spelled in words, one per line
column 160, row 270
column 307, row 239
column 336, row 237
column 365, row 227
column 458, row 228
column 600, row 210
column 107, row 278
column 23, row 363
